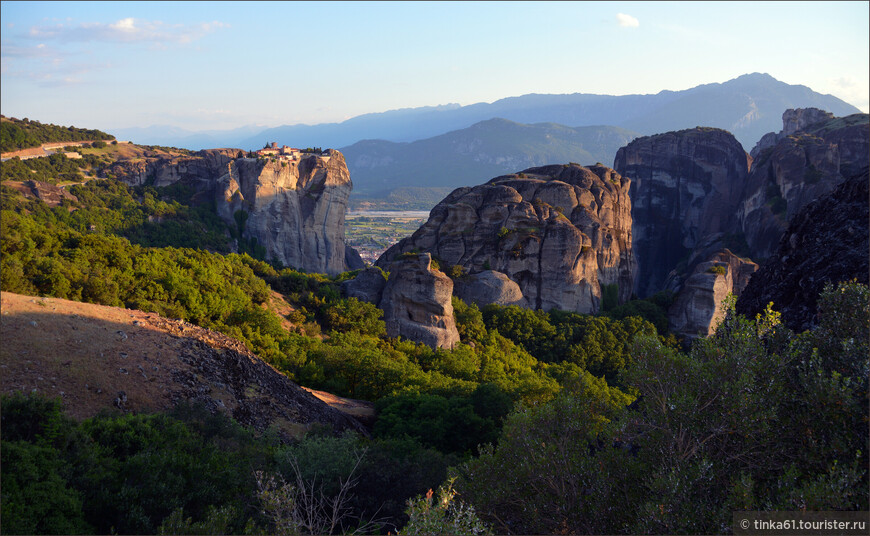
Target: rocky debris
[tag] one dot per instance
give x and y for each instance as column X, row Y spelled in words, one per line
column 367, row 286
column 361, row 410
column 685, row 187
column 488, row 287
column 294, row 209
column 812, row 155
column 825, row 242
column 259, row 395
column 416, row 301
column 697, row 309
column 559, row 232
column 50, row 194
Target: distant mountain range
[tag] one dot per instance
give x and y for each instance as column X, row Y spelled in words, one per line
column 467, row 156
column 170, row 136
column 439, row 146
column 748, row 107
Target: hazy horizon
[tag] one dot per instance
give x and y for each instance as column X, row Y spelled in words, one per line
column 114, row 65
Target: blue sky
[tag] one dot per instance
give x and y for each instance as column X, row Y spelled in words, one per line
column 219, row 65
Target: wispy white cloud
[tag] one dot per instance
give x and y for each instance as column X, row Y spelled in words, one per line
column 44, row 53
column 850, row 90
column 127, row 30
column 845, row 82
column 627, row 21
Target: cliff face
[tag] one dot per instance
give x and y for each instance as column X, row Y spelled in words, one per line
column 558, row 232
column 295, row 210
column 693, row 197
column 812, row 155
column 697, row 309
column 793, row 120
column 825, row 242
column 685, row 187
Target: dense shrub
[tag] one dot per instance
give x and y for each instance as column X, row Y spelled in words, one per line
column 754, row 418
column 448, row 424
column 598, row 344
column 122, row 473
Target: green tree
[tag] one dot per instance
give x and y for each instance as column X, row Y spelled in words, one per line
column 36, row 498
column 753, row 418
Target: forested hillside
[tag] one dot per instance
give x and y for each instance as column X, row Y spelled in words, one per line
column 607, row 426
column 18, row 134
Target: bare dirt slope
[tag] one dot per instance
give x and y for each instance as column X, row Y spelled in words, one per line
column 95, row 357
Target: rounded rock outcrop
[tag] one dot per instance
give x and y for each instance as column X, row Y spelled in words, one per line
column 558, row 232
column 488, row 287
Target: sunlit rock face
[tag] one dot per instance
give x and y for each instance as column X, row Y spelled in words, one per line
column 698, row 307
column 294, row 208
column 417, row 305
column 559, row 233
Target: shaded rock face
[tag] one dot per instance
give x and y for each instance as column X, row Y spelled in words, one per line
column 698, row 309
column 825, row 242
column 416, row 301
column 367, row 286
column 685, row 187
column 558, row 232
column 295, row 210
column 812, row 155
column 488, row 287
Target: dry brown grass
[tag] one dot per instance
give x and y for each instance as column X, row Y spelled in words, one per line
column 87, row 354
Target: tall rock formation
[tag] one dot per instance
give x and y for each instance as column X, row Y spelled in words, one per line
column 793, row 120
column 685, row 187
column 558, row 232
column 825, row 242
column 812, row 155
column 693, row 198
column 416, row 299
column 417, row 302
column 295, row 209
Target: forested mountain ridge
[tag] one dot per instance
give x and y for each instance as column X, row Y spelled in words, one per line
column 486, row 149
column 16, row 134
